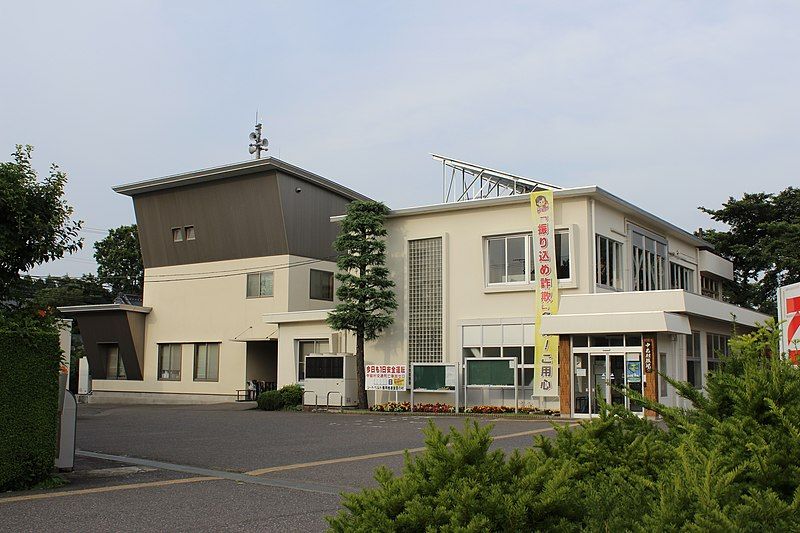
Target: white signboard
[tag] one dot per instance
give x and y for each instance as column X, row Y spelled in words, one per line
column 386, row 377
column 789, row 314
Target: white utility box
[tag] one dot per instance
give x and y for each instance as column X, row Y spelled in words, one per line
column 330, row 380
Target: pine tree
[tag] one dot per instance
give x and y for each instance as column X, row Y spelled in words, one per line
column 365, row 291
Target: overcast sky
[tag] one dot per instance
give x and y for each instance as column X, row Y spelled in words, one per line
column 668, row 105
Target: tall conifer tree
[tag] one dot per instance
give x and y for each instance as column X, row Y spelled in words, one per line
column 366, row 293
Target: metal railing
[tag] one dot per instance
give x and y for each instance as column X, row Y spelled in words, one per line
column 341, row 399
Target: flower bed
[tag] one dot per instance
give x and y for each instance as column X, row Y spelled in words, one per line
column 502, row 409
column 404, row 407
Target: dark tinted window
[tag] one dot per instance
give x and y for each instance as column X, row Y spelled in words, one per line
column 321, row 285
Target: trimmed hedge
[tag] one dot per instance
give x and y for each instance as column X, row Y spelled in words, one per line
column 291, row 395
column 270, row 400
column 287, row 397
column 29, row 365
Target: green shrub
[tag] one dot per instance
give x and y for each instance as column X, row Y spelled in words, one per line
column 291, row 395
column 730, row 464
column 29, row 365
column 270, row 400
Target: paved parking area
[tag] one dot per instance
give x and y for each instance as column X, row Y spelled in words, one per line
column 225, row 467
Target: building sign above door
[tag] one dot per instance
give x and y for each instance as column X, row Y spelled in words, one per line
column 647, row 352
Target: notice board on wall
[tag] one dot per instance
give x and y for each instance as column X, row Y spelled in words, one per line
column 491, row 372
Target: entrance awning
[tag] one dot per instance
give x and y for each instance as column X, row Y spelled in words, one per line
column 604, row 323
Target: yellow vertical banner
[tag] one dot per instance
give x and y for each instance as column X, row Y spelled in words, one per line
column 545, row 372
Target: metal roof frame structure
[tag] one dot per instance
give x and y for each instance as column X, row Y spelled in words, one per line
column 479, row 182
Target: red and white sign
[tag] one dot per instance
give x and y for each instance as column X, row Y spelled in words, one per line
column 385, row 377
column 789, row 314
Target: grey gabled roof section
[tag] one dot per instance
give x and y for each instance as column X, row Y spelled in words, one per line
column 233, row 170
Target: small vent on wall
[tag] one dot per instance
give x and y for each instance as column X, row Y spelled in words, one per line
column 335, row 342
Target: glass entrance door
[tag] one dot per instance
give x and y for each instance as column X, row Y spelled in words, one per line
column 604, row 372
column 598, row 387
column 616, row 378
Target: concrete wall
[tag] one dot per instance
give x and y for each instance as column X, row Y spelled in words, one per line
column 207, row 302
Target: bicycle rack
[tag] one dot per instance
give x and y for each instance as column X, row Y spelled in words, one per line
column 341, row 400
column 316, row 398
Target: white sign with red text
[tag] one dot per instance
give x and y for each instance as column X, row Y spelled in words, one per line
column 385, row 377
column 789, row 315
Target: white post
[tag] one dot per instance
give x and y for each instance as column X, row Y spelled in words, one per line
column 516, row 387
column 465, row 385
column 412, row 387
column 455, row 367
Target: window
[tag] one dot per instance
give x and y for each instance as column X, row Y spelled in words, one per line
column 609, row 263
column 425, row 300
column 115, row 369
column 562, row 254
column 506, row 340
column 649, row 260
column 509, row 258
column 259, row 285
column 189, row 233
column 321, row 285
column 306, row 347
column 694, row 370
column 177, row 234
column 710, row 287
column 681, row 277
column 716, row 345
column 206, row 361
column 169, row 362
column 663, row 391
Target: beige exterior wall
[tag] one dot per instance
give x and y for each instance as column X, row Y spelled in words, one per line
column 207, row 302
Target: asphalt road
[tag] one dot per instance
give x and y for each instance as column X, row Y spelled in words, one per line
column 224, row 467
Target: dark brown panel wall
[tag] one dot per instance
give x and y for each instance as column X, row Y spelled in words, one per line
column 307, row 217
column 233, row 219
column 126, row 329
column 257, row 215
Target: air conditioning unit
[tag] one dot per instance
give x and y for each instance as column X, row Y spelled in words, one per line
column 331, row 377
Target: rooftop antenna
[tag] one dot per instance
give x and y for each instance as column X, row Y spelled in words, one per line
column 257, row 144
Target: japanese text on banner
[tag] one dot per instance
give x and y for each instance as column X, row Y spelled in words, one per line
column 545, row 373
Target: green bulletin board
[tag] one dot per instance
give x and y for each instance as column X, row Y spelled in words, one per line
column 490, row 372
column 430, row 378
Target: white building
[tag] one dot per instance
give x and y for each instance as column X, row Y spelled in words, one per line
column 239, row 280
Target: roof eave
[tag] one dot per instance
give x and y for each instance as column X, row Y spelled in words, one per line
column 233, row 170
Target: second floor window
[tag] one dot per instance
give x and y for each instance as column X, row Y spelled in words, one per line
column 649, row 261
column 509, row 258
column 681, row 277
column 321, row 285
column 609, row 263
column 259, row 284
column 710, row 287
